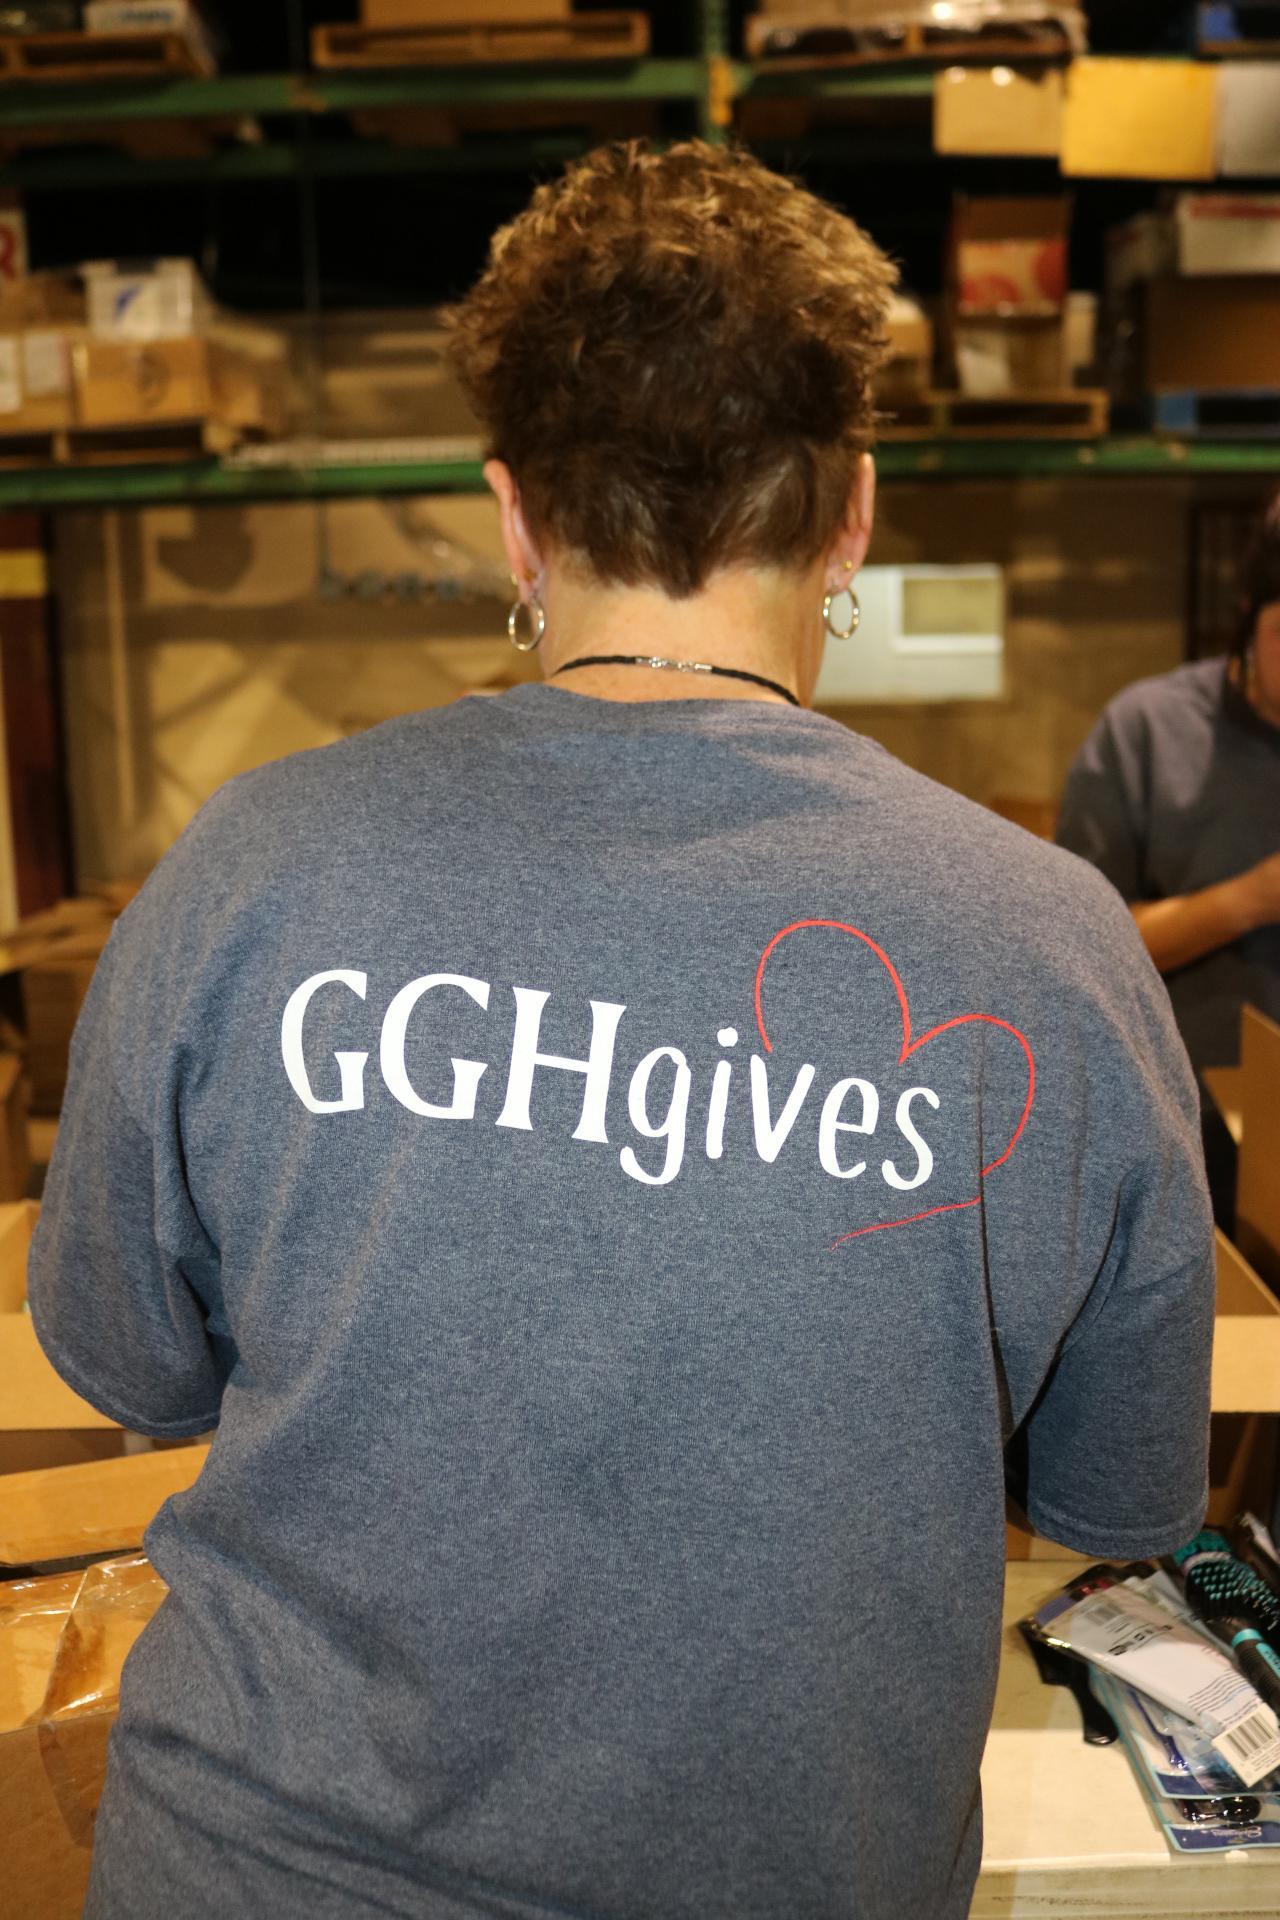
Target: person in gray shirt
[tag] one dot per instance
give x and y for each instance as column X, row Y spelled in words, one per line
column 618, row 1163
column 1175, row 797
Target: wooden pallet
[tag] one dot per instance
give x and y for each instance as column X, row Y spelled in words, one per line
column 83, row 58
column 118, row 446
column 1243, row 413
column 589, row 36
column 783, row 46
column 1249, row 32
column 1070, row 414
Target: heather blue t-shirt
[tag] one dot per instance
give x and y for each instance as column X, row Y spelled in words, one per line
column 616, row 1176
column 1176, row 788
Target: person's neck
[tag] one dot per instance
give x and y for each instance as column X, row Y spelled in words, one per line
column 744, row 621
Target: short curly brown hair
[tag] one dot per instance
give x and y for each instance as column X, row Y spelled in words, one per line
column 675, row 354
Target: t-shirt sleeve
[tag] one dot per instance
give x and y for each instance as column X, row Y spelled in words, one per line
column 1102, row 812
column 1116, row 1444
column 120, row 1258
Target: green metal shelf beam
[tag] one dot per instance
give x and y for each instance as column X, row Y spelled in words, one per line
column 135, row 486
column 836, row 83
column 236, row 96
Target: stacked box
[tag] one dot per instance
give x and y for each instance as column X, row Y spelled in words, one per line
column 53, row 993
column 41, row 318
column 1193, row 297
column 54, row 955
column 1014, row 328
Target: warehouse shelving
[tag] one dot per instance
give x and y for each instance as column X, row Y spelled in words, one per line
column 228, row 483
column 294, row 108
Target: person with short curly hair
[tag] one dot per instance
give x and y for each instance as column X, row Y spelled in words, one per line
column 1175, row 797
column 676, row 353
column 619, row 1162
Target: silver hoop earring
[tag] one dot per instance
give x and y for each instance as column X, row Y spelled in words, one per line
column 855, row 613
column 538, row 624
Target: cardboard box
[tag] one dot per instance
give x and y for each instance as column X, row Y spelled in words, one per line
column 1227, row 233
column 1209, row 335
column 64, row 1639
column 42, row 299
column 66, row 1513
column 998, row 110
column 13, row 240
column 1009, row 256
column 1246, row 1337
column 1249, row 118
column 36, row 384
column 1258, row 1187
column 419, row 13
column 33, row 1398
column 15, row 1153
column 1141, row 119
column 122, row 384
column 53, row 992
column 1025, row 354
column 161, row 300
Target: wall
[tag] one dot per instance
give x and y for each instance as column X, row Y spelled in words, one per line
column 195, row 644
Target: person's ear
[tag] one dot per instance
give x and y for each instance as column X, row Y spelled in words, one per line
column 849, row 548
column 520, row 547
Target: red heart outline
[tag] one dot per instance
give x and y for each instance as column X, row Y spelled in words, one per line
column 909, row 1046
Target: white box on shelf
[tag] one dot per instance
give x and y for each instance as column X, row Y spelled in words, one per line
column 1228, row 233
column 1249, row 118
column 162, row 300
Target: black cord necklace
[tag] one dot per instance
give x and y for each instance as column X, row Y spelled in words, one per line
column 677, row 666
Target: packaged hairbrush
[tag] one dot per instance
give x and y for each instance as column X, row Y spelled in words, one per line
column 1192, row 1819
column 1133, row 1637
column 1176, row 1757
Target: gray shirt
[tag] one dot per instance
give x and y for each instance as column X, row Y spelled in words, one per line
column 617, row 1176
column 1177, row 788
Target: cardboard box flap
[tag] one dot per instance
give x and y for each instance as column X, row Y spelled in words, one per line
column 64, row 1512
column 1246, row 1337
column 17, row 1224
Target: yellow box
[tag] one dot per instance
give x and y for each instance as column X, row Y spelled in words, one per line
column 1141, row 119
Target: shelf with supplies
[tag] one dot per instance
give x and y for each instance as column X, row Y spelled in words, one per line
column 358, row 475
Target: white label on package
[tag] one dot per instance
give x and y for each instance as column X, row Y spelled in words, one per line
column 10, row 376
column 45, row 369
column 1128, row 1636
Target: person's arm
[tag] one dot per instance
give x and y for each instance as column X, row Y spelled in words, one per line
column 1117, row 1438
column 120, row 1264
column 1186, row 926
column 1102, row 815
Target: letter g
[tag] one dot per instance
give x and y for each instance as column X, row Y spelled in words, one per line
column 350, row 1065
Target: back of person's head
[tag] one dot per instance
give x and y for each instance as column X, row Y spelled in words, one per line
column 675, row 354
